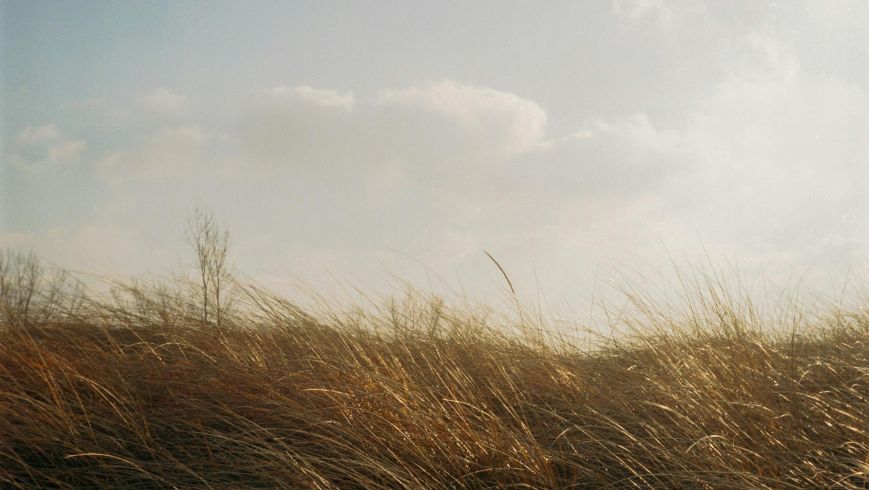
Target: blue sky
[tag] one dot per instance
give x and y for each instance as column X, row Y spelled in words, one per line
column 358, row 140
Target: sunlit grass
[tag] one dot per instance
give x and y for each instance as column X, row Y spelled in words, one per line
column 134, row 390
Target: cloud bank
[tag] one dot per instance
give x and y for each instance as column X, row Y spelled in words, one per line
column 763, row 160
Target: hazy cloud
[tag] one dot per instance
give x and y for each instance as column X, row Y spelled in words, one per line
column 616, row 128
column 164, row 102
column 42, row 146
column 167, row 154
column 665, row 13
column 323, row 97
column 443, row 123
column 98, row 248
column 488, row 122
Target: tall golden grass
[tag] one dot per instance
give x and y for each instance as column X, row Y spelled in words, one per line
column 134, row 390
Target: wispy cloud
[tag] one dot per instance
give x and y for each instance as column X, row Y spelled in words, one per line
column 38, row 147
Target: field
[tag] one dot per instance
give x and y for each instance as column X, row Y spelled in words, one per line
column 142, row 388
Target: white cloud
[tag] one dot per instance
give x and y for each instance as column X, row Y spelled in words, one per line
column 164, row 102
column 97, row 248
column 744, row 134
column 771, row 165
column 475, row 167
column 43, row 146
column 443, row 124
column 634, row 10
column 41, row 134
column 666, row 14
column 67, row 150
column 324, row 97
column 301, row 127
column 500, row 123
column 170, row 153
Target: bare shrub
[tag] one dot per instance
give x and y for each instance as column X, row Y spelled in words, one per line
column 210, row 243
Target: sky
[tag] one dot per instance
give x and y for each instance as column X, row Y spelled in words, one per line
column 363, row 144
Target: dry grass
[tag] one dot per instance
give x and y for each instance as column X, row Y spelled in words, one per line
column 134, row 391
